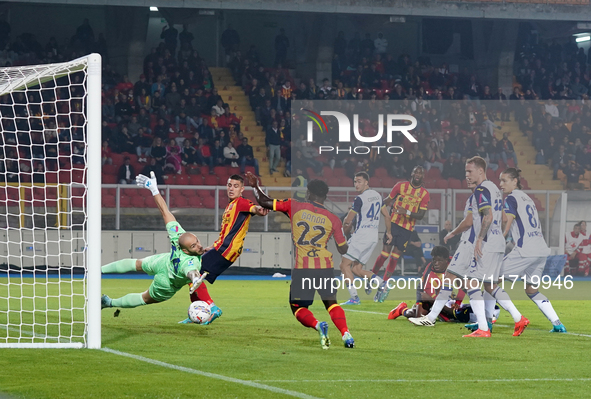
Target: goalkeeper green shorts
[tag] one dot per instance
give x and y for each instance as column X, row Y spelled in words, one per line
column 157, row 265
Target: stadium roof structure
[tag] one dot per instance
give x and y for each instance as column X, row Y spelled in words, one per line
column 557, row 10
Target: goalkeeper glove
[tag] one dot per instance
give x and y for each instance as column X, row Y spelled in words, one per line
column 149, row 183
column 197, row 282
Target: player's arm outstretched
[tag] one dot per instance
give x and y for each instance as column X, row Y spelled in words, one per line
column 262, row 198
column 150, row 184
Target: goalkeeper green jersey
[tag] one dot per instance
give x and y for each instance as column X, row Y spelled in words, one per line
column 179, row 263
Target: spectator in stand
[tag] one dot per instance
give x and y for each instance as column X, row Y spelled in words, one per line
column 154, row 166
column 158, row 151
column 502, row 105
column 559, row 161
column 161, row 129
column 108, row 111
column 144, row 141
column 396, row 167
column 507, row 150
column 246, row 154
column 124, row 141
column 273, row 143
column 453, row 168
column 218, row 107
column 573, row 174
column 133, row 126
column 189, row 153
column 106, row 154
column 204, row 155
column 231, row 155
column 170, row 35
column 173, row 157
column 123, row 109
column 433, row 157
column 38, row 173
column 281, row 46
column 380, row 44
column 181, row 113
column 217, row 152
column 230, row 40
column 126, row 174
column 143, row 100
column 172, row 98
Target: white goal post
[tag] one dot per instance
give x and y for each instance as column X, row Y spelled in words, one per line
column 50, row 205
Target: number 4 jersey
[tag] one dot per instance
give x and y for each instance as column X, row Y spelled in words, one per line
column 312, row 225
column 526, row 229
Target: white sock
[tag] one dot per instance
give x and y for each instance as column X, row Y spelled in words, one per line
column 440, row 301
column 489, row 305
column 506, row 303
column 477, row 305
column 546, row 307
column 352, row 291
column 376, row 277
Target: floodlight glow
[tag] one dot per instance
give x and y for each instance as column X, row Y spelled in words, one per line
column 583, row 39
column 154, row 9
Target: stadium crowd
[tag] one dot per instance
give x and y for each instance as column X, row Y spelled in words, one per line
column 173, row 121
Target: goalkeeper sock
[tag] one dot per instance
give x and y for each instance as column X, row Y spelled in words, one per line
column 380, row 262
column 337, row 314
column 546, row 307
column 505, row 302
column 120, row 266
column 304, row 316
column 440, row 301
column 201, row 294
column 128, row 301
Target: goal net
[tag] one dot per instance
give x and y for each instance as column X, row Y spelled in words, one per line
column 50, row 204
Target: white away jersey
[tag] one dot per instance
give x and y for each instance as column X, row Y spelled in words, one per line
column 367, row 205
column 526, row 229
column 468, row 235
column 487, row 195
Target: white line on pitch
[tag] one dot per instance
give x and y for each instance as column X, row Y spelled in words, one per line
column 453, row 381
column 212, row 375
column 496, row 325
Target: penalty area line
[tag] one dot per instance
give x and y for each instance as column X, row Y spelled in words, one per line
column 251, row 384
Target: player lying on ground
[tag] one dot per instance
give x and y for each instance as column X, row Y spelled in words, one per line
column 171, row 271
column 457, row 267
column 410, row 201
column 312, row 225
column 528, row 257
column 366, row 207
column 228, row 247
column 426, row 291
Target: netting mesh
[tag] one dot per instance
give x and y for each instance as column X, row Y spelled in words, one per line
column 42, row 203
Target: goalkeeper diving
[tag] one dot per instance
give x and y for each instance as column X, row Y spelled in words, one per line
column 171, row 271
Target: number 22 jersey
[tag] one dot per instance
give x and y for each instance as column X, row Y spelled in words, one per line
column 312, row 225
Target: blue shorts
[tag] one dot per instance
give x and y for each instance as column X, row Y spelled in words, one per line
column 214, row 263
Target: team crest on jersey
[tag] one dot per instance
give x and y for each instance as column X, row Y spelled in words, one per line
column 191, row 262
column 174, row 229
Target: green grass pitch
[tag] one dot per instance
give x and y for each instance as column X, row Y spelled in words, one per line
column 258, row 340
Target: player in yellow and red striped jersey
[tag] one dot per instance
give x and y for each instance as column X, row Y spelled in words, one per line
column 228, row 247
column 409, row 200
column 312, row 227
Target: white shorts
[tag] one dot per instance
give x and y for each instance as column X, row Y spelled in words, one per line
column 487, row 268
column 516, row 265
column 460, row 262
column 360, row 248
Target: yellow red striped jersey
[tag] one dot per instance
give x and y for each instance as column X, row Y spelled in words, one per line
column 312, row 225
column 410, row 198
column 235, row 223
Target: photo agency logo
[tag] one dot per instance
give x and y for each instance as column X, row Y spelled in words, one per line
column 393, row 124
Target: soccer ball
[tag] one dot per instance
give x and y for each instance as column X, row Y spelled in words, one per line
column 199, row 312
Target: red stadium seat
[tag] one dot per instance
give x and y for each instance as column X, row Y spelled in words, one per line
column 51, row 177
column 125, row 201
column 195, row 202
column 182, row 180
column 381, row 173
column 210, row 180
column 188, row 193
column 196, row 180
column 108, row 201
column 388, row 182
column 442, row 183
column 208, row 202
column 221, row 171
column 233, row 171
column 179, row 202
column 65, row 176
column 339, row 172
column 375, row 182
column 78, row 176
column 205, row 193
column 109, row 179
column 204, row 170
column 454, row 183
column 327, row 172
column 334, row 182
column 110, row 169
column 433, row 173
